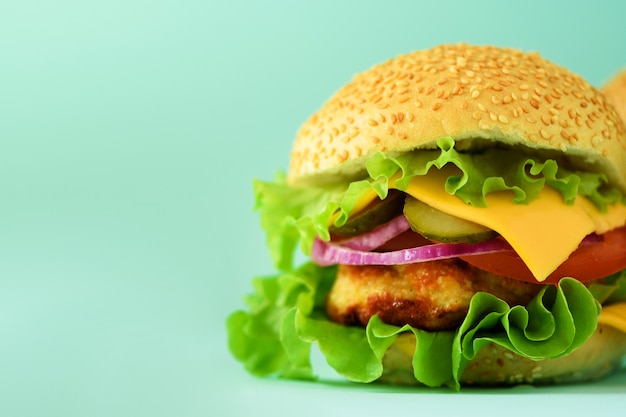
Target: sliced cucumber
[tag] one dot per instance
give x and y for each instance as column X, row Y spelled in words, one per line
column 438, row 226
column 374, row 214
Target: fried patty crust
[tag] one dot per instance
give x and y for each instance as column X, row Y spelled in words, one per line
column 431, row 295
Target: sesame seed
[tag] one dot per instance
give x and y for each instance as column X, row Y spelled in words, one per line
column 502, row 118
column 572, row 113
column 544, row 133
column 402, row 135
column 597, row 140
column 372, row 122
column 436, row 106
column 493, row 116
column 476, row 115
column 475, row 93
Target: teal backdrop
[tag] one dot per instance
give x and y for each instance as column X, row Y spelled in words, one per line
column 130, row 133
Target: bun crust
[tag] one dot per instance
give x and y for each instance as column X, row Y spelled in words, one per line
column 600, row 355
column 466, row 92
column 615, row 91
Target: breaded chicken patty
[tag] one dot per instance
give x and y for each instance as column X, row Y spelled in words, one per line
column 431, row 295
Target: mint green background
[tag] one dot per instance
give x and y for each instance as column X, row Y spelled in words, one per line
column 130, row 134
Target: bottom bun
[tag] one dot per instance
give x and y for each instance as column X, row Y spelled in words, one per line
column 600, row 355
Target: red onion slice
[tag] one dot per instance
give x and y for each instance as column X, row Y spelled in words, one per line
column 379, row 236
column 328, row 253
column 357, row 250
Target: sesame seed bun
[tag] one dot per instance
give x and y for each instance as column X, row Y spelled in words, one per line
column 468, row 93
column 615, row 91
column 494, row 365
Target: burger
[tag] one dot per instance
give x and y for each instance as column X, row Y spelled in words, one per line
column 615, row 91
column 451, row 217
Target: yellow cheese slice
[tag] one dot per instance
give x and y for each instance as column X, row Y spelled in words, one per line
column 544, row 232
column 614, row 315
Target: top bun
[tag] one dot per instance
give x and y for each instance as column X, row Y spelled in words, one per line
column 615, row 91
column 474, row 94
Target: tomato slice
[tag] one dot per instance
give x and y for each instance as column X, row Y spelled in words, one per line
column 590, row 261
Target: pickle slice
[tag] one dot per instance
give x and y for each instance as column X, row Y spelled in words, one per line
column 438, row 226
column 374, row 214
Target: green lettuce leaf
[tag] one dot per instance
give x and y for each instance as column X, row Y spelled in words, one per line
column 286, row 316
column 292, row 217
column 610, row 290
